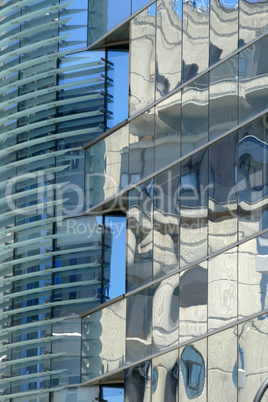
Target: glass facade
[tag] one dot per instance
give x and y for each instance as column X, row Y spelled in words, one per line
column 133, row 200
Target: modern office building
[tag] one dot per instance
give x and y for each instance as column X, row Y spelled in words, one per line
column 133, row 200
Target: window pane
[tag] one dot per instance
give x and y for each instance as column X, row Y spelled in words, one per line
column 168, row 46
column 252, row 19
column 223, row 98
column 223, row 193
column 138, row 383
column 222, row 289
column 167, row 131
column 142, row 60
column 195, row 115
column 195, row 37
column 165, row 377
column 223, row 29
column 253, row 70
column 194, row 208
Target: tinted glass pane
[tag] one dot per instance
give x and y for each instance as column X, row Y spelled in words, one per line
column 142, row 60
column 141, row 146
column 222, row 289
column 195, row 114
column 193, row 372
column 223, row 29
column 252, row 276
column 168, row 46
column 195, row 37
column 252, row 19
column 104, row 16
column 193, row 294
column 253, row 70
column 253, row 177
column 139, row 325
column 194, row 208
column 166, row 222
column 140, row 236
column 223, row 97
column 222, row 360
column 252, row 363
column 106, row 167
column 167, row 131
column 223, row 193
column 165, row 377
column 166, row 313
column 138, row 383
column 100, row 330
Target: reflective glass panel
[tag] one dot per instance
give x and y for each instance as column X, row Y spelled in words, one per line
column 253, row 19
column 253, row 70
column 139, row 325
column 140, row 236
column 193, row 294
column 194, row 208
column 142, row 60
column 166, row 222
column 223, row 28
column 223, row 97
column 193, row 372
column 222, row 193
column 165, row 377
column 252, row 358
column 195, row 37
column 167, row 131
column 222, row 361
column 138, row 383
column 100, row 330
column 141, row 146
column 168, row 46
column 194, row 114
column 104, row 16
column 107, row 167
column 137, row 4
column 222, row 289
column 253, row 276
column 166, row 313
column 253, row 177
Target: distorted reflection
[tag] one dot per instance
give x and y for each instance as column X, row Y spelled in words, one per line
column 253, row 20
column 253, row 79
column 222, row 358
column 166, row 222
column 138, row 383
column 167, row 131
column 141, row 146
column 195, row 114
column 166, row 313
column 140, row 236
column 222, row 289
column 139, row 325
column 223, row 193
column 194, row 207
column 253, row 174
column 142, row 60
column 165, row 377
column 252, row 362
column 193, row 372
column 223, row 97
column 107, row 167
column 195, row 37
column 168, row 46
column 253, row 276
column 193, row 297
column 100, row 330
column 223, row 28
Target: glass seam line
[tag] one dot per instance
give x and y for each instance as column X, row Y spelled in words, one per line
column 97, row 207
column 174, row 91
column 182, row 344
